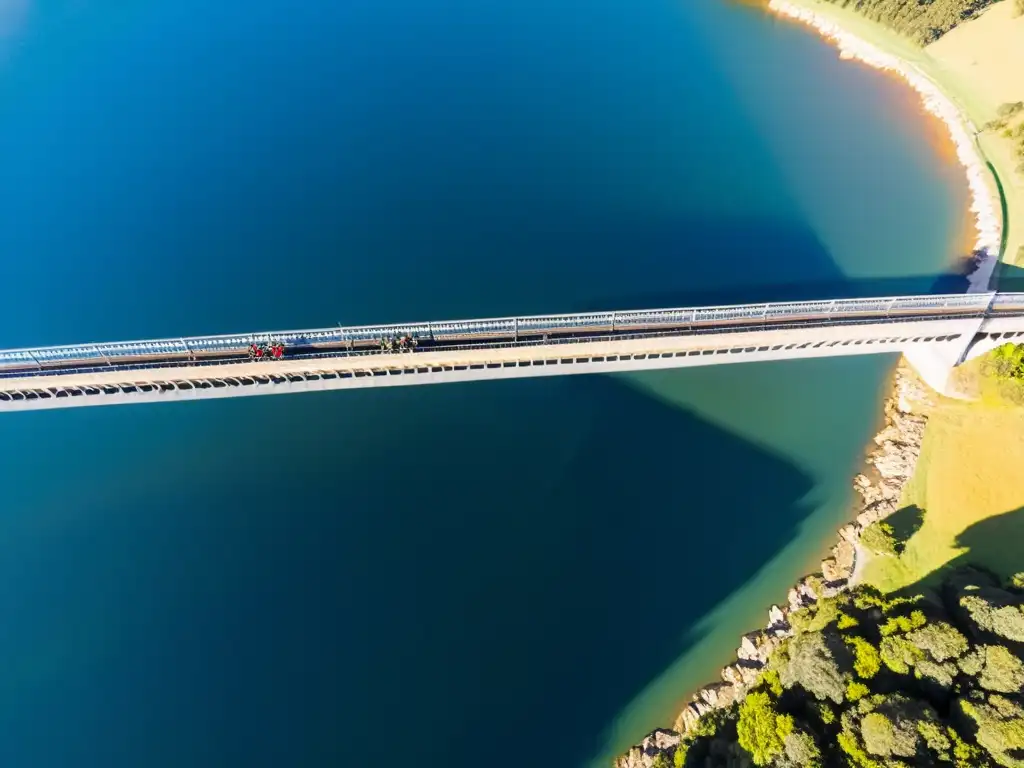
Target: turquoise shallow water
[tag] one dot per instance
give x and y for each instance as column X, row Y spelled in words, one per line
column 533, row 568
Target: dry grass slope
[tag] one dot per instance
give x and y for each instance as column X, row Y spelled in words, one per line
column 966, row 478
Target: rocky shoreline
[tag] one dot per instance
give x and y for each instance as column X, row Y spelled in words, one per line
column 889, row 463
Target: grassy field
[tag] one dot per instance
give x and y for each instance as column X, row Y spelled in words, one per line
column 967, row 483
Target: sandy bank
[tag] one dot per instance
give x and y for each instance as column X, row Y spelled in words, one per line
column 864, row 41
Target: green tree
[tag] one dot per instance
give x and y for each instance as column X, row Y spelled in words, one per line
column 1003, row 672
column 1000, row 724
column 1006, row 621
column 761, row 730
column 802, row 750
column 887, row 738
column 899, row 654
column 813, row 666
column 879, row 538
column 940, row 640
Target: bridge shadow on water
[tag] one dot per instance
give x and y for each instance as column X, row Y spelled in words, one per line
column 474, row 587
column 514, row 598
column 494, row 600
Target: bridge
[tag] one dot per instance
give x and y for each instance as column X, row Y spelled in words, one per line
column 935, row 333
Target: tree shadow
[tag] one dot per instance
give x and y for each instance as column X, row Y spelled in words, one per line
column 993, row 544
column 905, row 523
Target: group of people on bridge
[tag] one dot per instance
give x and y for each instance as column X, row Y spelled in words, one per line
column 404, row 343
column 267, row 351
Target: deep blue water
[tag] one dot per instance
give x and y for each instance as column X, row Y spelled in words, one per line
column 529, row 570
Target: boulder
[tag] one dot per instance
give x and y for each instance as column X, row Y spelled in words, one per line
column 748, row 646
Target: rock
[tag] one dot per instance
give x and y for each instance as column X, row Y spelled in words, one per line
column 830, row 570
column 659, row 742
column 845, row 554
column 864, row 519
column 776, row 618
column 850, row 533
column 717, row 695
column 748, row 648
column 794, row 600
column 687, row 718
column 731, row 674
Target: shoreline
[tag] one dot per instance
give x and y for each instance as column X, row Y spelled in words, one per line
column 983, row 180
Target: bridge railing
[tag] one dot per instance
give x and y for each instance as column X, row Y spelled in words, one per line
column 511, row 326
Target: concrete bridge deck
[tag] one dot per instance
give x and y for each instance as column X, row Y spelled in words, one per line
column 934, row 332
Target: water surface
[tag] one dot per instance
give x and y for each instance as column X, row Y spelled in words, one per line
column 535, row 570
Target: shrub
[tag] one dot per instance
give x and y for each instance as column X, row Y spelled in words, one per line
column 816, row 617
column 902, row 624
column 770, row 678
column 934, row 736
column 965, row 754
column 660, row 761
column 1018, row 8
column 761, row 730
column 866, row 661
column 972, row 663
column 938, row 675
column 868, row 597
column 1009, row 109
column 856, row 691
column 857, row 755
column 879, row 538
column 846, row 621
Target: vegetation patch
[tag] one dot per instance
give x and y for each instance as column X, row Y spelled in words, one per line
column 931, row 680
column 922, row 22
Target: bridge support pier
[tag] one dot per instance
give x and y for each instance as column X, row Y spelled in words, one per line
column 934, row 363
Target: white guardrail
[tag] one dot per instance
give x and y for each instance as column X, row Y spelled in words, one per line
column 838, row 310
